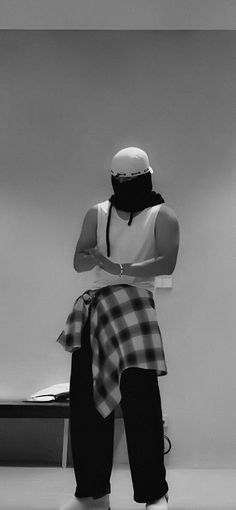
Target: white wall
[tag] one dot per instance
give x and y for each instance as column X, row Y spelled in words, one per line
column 69, row 100
column 118, row 15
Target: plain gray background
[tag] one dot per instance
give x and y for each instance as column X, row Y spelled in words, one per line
column 69, row 100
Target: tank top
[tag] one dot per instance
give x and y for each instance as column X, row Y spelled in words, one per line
column 128, row 244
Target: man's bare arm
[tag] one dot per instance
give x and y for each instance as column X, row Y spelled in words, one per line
column 88, row 239
column 167, row 246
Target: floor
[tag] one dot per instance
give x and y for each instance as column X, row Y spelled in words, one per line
column 34, row 488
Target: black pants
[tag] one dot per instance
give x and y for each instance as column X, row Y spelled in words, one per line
column 92, row 436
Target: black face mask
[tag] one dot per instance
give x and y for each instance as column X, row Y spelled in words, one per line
column 132, row 196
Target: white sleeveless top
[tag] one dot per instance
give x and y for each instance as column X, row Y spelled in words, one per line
column 134, row 243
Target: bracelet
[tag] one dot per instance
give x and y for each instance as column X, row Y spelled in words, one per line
column 121, row 270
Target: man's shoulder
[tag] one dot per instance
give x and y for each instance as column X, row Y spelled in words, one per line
column 166, row 212
column 93, row 208
column 102, row 206
column 166, row 216
column 92, row 212
column 91, row 215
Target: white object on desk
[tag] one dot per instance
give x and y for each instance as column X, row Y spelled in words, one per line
column 163, row 282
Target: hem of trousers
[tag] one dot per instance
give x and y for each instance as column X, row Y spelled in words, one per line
column 89, row 495
column 151, row 497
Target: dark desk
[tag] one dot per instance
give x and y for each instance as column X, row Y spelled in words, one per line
column 21, row 409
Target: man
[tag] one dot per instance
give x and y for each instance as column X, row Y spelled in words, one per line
column 116, row 342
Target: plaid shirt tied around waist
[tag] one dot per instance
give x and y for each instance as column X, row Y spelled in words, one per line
column 124, row 332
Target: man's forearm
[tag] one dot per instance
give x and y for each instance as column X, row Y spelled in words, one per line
column 84, row 262
column 151, row 267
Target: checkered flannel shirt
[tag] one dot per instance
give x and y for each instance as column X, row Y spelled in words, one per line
column 124, row 332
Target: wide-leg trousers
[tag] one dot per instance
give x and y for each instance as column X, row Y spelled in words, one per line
column 92, row 435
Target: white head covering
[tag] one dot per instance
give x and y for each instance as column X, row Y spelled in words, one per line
column 130, row 162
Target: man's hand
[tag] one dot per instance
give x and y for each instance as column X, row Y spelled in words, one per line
column 103, row 262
